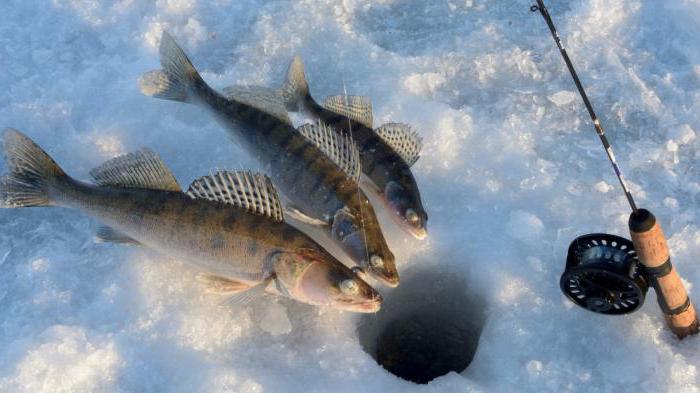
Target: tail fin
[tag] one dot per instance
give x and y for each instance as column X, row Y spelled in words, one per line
column 295, row 88
column 32, row 172
column 178, row 75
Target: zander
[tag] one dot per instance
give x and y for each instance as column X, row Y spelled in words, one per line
column 387, row 152
column 316, row 168
column 229, row 224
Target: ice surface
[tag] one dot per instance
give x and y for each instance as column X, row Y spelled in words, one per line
column 508, row 177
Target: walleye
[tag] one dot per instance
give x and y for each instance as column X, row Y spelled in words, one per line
column 387, row 152
column 229, row 224
column 316, row 168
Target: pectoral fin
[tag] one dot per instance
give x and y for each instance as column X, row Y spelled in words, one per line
column 110, row 235
column 221, row 285
column 302, row 217
column 242, row 298
column 343, row 224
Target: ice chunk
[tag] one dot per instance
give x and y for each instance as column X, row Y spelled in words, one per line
column 525, row 226
column 682, row 134
column 274, row 319
column 603, row 187
column 561, row 98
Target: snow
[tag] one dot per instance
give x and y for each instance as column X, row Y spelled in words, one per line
column 510, row 173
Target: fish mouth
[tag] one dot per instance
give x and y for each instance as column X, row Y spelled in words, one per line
column 369, row 306
column 391, row 281
column 418, row 233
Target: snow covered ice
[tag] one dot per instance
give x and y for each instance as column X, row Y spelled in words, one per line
column 510, row 173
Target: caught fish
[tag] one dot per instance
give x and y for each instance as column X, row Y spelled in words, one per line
column 316, row 168
column 387, row 152
column 230, row 225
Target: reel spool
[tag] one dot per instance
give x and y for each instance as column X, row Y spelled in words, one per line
column 603, row 275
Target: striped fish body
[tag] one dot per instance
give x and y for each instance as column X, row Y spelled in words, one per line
column 310, row 166
column 217, row 238
column 304, row 174
column 379, row 162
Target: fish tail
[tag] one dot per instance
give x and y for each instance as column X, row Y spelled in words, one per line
column 32, row 173
column 177, row 78
column 295, row 89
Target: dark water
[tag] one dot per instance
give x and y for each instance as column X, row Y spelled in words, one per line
column 430, row 325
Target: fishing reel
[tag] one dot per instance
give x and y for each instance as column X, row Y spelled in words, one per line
column 604, row 275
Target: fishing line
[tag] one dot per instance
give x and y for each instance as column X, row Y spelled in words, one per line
column 359, row 191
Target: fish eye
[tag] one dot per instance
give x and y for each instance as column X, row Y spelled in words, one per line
column 349, row 287
column 376, row 261
column 412, row 216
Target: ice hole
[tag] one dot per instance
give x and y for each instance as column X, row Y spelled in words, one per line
column 428, row 326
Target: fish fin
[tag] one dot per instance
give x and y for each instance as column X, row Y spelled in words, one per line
column 368, row 184
column 340, row 148
column 140, row 169
column 253, row 192
column 221, row 285
column 295, row 88
column 175, row 80
column 302, row 217
column 244, row 297
column 403, row 139
column 32, row 172
column 107, row 234
column 357, row 108
column 343, row 224
column 261, row 98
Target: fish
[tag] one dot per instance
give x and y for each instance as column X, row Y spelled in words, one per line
column 316, row 168
column 386, row 153
column 228, row 225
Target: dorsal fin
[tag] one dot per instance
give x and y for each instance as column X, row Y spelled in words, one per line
column 260, row 98
column 295, row 88
column 140, row 169
column 357, row 108
column 340, row 148
column 253, row 192
column 403, row 139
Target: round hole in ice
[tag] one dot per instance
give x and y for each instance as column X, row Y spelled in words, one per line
column 427, row 327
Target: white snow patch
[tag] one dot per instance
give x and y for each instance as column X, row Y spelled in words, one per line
column 525, row 226
column 561, row 98
column 602, row 187
column 68, row 359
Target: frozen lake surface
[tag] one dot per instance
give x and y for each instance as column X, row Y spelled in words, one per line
column 510, row 173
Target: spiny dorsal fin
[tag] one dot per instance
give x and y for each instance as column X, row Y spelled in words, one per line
column 403, row 139
column 253, row 192
column 340, row 148
column 260, row 98
column 140, row 169
column 357, row 108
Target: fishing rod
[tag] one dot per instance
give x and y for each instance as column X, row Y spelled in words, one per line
column 609, row 274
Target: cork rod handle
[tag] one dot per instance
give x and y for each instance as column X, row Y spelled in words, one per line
column 652, row 250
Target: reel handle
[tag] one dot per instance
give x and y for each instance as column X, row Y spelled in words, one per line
column 652, row 251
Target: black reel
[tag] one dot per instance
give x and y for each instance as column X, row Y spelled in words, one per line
column 603, row 275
